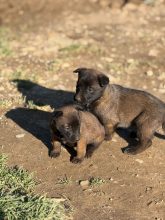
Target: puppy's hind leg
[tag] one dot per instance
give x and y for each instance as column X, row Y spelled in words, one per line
column 145, row 133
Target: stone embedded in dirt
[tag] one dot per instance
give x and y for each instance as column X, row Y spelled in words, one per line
column 162, row 85
column 149, row 203
column 84, row 184
column 139, row 161
column 135, row 174
column 149, row 73
column 161, row 76
column 144, row 87
column 108, row 59
column 153, row 53
column 114, row 140
column 20, row 135
column 130, row 61
column 162, row 90
column 149, row 188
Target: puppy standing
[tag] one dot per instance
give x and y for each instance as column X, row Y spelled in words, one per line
column 74, row 127
column 116, row 106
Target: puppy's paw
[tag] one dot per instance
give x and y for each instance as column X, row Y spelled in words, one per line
column 76, row 160
column 130, row 150
column 54, row 154
column 88, row 154
column 108, row 137
column 133, row 135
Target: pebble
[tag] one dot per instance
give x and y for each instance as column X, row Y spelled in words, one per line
column 20, row 135
column 139, row 161
column 149, row 73
column 149, row 203
column 130, row 61
column 108, row 59
column 162, row 76
column 162, row 91
column 153, row 53
column 148, row 188
column 84, row 184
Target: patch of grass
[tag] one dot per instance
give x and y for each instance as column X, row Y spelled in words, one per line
column 65, row 180
column 31, row 105
column 96, row 181
column 55, row 65
column 22, row 75
column 76, row 49
column 17, row 198
column 114, row 67
column 4, row 44
column 4, row 103
column 129, row 66
column 71, row 48
column 149, row 2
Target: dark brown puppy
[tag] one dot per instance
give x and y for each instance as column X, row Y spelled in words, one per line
column 117, row 106
column 73, row 127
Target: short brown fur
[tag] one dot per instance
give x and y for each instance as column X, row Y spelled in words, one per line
column 117, row 106
column 89, row 138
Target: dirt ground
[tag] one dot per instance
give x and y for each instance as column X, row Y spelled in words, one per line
column 38, row 53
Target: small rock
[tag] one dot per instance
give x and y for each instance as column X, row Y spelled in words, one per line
column 149, row 188
column 149, row 203
column 84, row 184
column 153, row 53
column 144, row 87
column 162, row 91
column 149, row 73
column 135, row 174
column 114, row 140
column 108, row 59
column 161, row 76
column 65, row 65
column 139, row 161
column 20, row 135
column 130, row 61
column 99, row 65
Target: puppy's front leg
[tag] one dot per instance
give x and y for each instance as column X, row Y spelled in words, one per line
column 55, row 148
column 81, row 151
column 109, row 131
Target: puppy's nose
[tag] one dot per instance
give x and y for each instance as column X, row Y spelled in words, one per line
column 77, row 98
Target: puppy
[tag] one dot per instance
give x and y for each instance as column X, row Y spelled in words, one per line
column 73, row 127
column 116, row 106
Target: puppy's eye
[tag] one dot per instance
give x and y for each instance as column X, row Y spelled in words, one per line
column 90, row 89
column 66, row 127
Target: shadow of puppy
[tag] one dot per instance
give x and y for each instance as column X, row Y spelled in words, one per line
column 35, row 121
column 41, row 95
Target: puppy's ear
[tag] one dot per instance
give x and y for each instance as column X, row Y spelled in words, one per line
column 57, row 114
column 103, row 80
column 80, row 70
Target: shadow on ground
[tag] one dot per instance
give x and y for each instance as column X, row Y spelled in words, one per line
column 36, row 121
column 41, row 96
